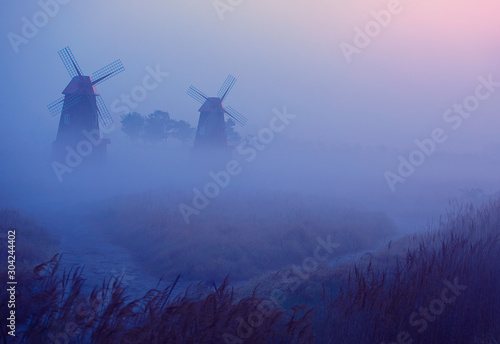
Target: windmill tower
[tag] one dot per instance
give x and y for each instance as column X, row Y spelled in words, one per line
column 211, row 131
column 81, row 109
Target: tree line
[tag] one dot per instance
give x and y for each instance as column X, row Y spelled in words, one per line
column 158, row 127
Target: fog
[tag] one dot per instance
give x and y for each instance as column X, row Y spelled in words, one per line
column 362, row 185
column 350, row 118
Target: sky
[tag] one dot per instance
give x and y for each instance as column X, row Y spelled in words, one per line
column 283, row 53
column 427, row 57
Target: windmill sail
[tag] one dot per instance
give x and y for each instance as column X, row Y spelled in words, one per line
column 226, row 87
column 107, row 72
column 196, row 94
column 238, row 117
column 69, row 62
column 104, row 115
column 211, row 132
column 82, row 109
column 65, row 102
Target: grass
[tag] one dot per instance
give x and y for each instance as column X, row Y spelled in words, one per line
column 374, row 302
column 34, row 244
column 368, row 301
column 240, row 235
column 55, row 309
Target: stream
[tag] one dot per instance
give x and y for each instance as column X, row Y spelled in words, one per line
column 83, row 245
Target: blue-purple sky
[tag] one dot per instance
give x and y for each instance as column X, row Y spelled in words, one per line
column 284, row 53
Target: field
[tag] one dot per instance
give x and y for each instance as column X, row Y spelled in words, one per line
column 240, row 235
column 436, row 287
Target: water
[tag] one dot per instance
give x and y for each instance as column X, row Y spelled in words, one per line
column 81, row 244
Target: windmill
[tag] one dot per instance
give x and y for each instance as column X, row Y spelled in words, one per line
column 211, row 131
column 81, row 109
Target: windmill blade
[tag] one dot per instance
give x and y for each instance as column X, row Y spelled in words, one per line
column 107, row 72
column 55, row 107
column 238, row 117
column 65, row 102
column 226, row 87
column 104, row 115
column 197, row 95
column 69, row 62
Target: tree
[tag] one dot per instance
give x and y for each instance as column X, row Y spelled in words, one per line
column 233, row 137
column 133, row 125
column 158, row 126
column 183, row 131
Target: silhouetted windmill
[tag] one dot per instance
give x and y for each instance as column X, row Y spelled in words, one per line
column 81, row 108
column 211, row 131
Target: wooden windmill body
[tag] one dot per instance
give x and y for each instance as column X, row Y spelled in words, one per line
column 82, row 112
column 211, row 130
